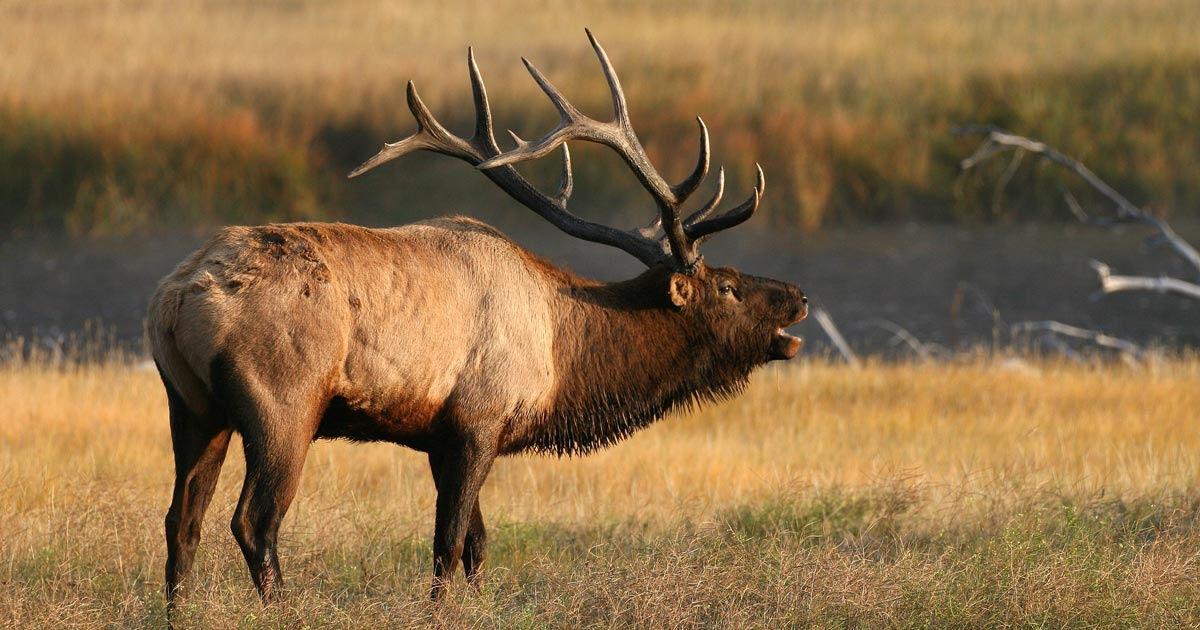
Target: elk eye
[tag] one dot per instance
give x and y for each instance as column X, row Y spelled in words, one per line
column 728, row 290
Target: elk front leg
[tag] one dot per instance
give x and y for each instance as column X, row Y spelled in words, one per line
column 475, row 543
column 459, row 474
column 475, row 547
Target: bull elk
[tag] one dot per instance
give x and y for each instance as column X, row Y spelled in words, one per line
column 447, row 337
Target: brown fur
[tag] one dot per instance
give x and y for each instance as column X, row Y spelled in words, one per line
column 444, row 336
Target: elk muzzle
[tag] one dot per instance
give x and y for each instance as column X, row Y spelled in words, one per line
column 785, row 346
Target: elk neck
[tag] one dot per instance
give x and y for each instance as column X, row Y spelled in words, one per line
column 625, row 357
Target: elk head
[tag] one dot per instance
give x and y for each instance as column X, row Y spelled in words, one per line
column 742, row 317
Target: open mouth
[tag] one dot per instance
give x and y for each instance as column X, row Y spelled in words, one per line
column 785, row 346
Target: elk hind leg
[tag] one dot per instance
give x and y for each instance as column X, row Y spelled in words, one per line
column 272, row 475
column 275, row 438
column 200, row 445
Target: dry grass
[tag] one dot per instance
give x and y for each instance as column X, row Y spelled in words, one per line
column 114, row 115
column 897, row 495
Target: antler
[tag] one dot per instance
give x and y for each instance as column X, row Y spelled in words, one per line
column 680, row 239
column 682, row 236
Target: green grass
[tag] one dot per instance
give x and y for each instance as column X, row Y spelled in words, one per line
column 894, row 495
column 843, row 558
column 197, row 113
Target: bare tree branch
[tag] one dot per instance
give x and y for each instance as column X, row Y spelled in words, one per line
column 1075, row 332
column 1110, row 283
column 835, row 336
column 998, row 140
column 902, row 335
column 1061, row 346
column 1009, row 171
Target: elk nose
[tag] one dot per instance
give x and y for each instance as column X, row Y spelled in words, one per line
column 796, row 293
column 799, row 303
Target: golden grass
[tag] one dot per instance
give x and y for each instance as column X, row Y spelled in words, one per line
column 895, row 495
column 347, row 55
column 118, row 114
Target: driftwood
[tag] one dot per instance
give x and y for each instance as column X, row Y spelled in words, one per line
column 997, row 141
column 1051, row 329
column 835, row 336
column 1110, row 283
column 901, row 335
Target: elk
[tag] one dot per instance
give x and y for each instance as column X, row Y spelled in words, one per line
column 447, row 337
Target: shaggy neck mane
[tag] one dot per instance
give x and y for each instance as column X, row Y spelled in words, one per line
column 625, row 357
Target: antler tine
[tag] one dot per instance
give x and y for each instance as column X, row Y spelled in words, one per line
column 712, row 204
column 390, row 151
column 685, row 188
column 566, row 183
column 438, row 137
column 699, row 232
column 617, row 134
column 430, row 135
column 630, row 147
column 572, row 124
column 566, row 111
column 404, row 146
column 484, row 136
column 620, row 107
column 689, row 185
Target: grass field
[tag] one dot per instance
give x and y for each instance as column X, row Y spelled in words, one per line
column 953, row 495
column 118, row 116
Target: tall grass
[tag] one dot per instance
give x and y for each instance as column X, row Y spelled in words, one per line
column 950, row 495
column 115, row 116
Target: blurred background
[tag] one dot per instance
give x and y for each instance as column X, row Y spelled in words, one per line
column 992, row 489
column 130, row 130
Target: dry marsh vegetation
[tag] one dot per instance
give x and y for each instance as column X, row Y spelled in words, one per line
column 115, row 115
column 954, row 495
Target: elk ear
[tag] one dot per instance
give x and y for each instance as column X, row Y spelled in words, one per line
column 681, row 290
